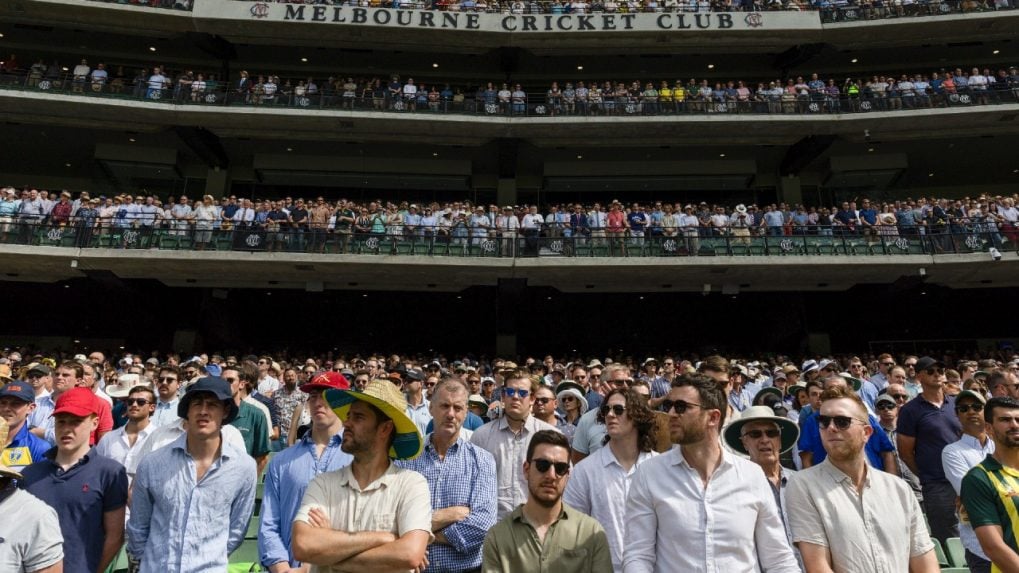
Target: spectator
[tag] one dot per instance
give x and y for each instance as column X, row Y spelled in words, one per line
column 167, row 388
column 20, row 447
column 888, row 405
column 200, row 487
column 88, row 491
column 254, row 425
column 590, row 433
column 125, row 442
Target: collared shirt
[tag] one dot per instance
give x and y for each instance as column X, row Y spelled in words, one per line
column 44, row 405
column 166, row 435
column 575, row 542
column 676, row 523
column 32, row 540
column 934, row 428
column 590, row 433
column 509, row 450
column 465, row 476
column 81, row 495
column 166, row 413
column 286, row 480
column 286, row 401
column 420, row 415
column 193, row 524
column 877, row 530
column 24, row 450
column 598, row 487
column 957, row 459
column 397, row 502
column 115, row 445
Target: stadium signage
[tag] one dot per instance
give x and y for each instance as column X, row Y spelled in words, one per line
column 520, row 23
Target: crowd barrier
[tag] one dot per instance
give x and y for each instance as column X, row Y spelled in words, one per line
column 529, row 105
column 545, row 242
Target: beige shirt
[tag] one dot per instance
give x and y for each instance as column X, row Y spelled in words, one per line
column 877, row 531
column 397, row 502
column 509, row 450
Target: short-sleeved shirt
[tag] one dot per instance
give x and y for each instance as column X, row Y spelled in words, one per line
column 24, row 450
column 397, row 502
column 877, row 531
column 81, row 495
column 252, row 424
column 32, row 541
column 575, row 542
column 934, row 428
column 989, row 498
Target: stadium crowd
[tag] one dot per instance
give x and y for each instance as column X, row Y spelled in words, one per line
column 313, row 225
column 790, row 95
column 424, row 463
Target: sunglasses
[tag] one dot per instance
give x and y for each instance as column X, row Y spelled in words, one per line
column 681, row 406
column 935, row 370
column 136, row 401
column 542, row 401
column 756, row 434
column 841, row 422
column 542, row 465
column 886, row 406
column 568, row 398
column 962, row 409
column 430, row 384
column 516, row 393
column 617, row 409
column 622, row 382
column 887, row 364
column 167, row 379
column 900, row 397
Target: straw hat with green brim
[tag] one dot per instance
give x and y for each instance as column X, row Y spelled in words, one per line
column 389, row 399
column 768, row 390
column 732, row 432
column 853, row 381
column 4, row 470
column 794, row 388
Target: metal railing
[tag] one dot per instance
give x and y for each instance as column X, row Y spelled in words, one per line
column 856, row 11
column 186, row 5
column 548, row 241
column 647, row 103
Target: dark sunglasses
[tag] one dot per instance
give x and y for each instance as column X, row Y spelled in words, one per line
column 136, row 401
column 567, row 399
column 430, row 384
column 681, row 406
column 887, row 364
column 516, row 393
column 617, row 409
column 542, row 465
column 167, row 379
column 841, row 422
column 886, row 406
column 962, row 409
column 542, row 401
column 935, row 370
column 622, row 382
column 756, row 434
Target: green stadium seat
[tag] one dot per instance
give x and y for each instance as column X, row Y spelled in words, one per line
column 245, row 559
column 956, row 552
column 942, row 559
column 253, row 525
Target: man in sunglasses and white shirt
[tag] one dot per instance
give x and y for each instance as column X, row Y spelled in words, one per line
column 699, row 507
column 507, row 437
column 845, row 515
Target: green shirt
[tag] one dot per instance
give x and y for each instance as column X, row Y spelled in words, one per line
column 990, row 496
column 250, row 422
column 575, row 542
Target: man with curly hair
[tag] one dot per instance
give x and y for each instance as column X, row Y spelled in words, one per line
column 601, row 481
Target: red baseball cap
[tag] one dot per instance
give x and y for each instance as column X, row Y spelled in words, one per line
column 325, row 381
column 80, row 402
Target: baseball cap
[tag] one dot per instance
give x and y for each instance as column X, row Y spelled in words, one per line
column 970, row 394
column 325, row 381
column 80, row 402
column 40, row 368
column 926, row 362
column 885, row 398
column 23, row 392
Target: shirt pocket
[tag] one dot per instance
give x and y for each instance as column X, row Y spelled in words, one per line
column 382, row 522
column 572, row 560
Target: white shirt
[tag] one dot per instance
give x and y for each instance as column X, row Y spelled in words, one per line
column 268, row 384
column 533, row 221
column 957, row 459
column 732, row 525
column 598, row 486
column 114, row 445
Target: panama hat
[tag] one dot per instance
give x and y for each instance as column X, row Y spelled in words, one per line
column 123, row 386
column 768, row 390
column 790, row 431
column 854, row 382
column 4, row 470
column 385, row 396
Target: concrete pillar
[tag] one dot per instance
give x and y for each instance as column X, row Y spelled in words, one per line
column 790, row 190
column 217, row 182
column 506, row 192
column 508, row 298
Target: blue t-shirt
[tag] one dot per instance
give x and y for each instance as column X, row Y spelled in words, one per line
column 810, row 441
column 869, row 215
column 637, row 220
column 80, row 496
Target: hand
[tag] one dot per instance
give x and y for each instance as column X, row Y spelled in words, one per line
column 423, row 565
column 317, row 518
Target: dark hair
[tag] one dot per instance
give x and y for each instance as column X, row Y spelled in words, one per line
column 714, row 363
column 144, row 390
column 551, row 437
column 1005, row 402
column 247, row 372
column 640, row 414
column 79, row 371
column 709, row 392
column 995, row 379
column 171, row 369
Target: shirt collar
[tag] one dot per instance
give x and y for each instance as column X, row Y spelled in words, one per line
column 838, row 476
column 181, row 443
column 974, row 443
column 347, row 478
column 453, row 448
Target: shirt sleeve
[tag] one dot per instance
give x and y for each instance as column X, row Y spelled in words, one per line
column 47, row 544
column 415, row 512
column 115, row 496
column 907, row 422
column 260, row 436
column 314, row 496
column 955, row 467
column 578, row 489
column 807, row 434
column 884, row 444
column 490, row 562
column 919, row 539
column 803, row 514
column 271, row 548
column 980, row 499
column 138, row 524
column 773, row 547
column 641, row 527
column 468, row 535
column 601, row 558
column 243, row 504
column 582, row 435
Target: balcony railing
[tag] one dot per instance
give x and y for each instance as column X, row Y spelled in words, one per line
column 549, row 241
column 719, row 103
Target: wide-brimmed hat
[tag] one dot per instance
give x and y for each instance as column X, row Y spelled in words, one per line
column 790, row 431
column 853, row 381
column 123, row 386
column 477, row 400
column 4, row 470
column 385, row 396
column 768, row 390
column 741, row 208
column 572, row 389
column 216, row 386
column 794, row 388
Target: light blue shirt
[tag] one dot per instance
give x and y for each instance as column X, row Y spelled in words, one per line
column 420, row 415
column 43, row 408
column 286, row 479
column 194, row 525
column 166, row 413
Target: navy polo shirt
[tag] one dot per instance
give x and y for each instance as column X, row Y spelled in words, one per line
column 80, row 496
column 933, row 428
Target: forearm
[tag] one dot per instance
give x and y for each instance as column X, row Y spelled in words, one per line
column 111, row 546
column 1002, row 555
column 890, row 465
column 806, row 459
column 405, row 553
column 320, row 546
column 909, row 459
